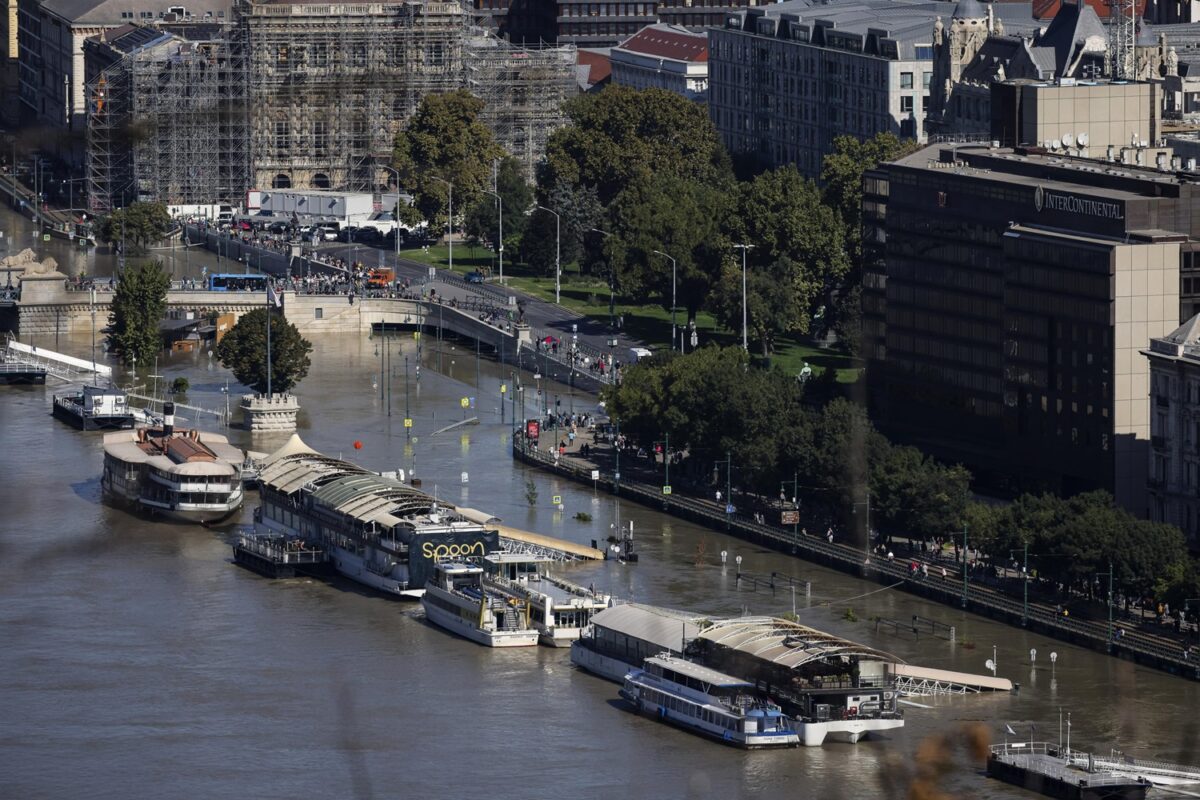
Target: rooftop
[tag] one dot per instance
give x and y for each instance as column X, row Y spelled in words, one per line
column 1181, row 343
column 788, row 644
column 696, row 671
column 119, row 12
column 659, row 626
column 672, row 42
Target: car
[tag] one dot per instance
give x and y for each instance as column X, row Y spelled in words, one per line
column 474, row 277
column 277, row 227
column 328, row 234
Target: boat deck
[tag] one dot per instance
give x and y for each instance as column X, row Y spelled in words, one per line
column 1043, row 759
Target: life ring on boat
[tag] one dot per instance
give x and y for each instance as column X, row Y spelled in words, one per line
column 852, row 711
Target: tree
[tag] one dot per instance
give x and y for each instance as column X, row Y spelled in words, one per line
column 483, row 220
column 624, row 135
column 681, row 217
column 580, row 209
column 445, row 139
column 842, row 177
column 137, row 225
column 243, row 351
column 138, row 306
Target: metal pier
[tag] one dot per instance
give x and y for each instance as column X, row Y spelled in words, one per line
column 278, row 556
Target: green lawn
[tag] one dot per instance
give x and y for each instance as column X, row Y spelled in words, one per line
column 651, row 323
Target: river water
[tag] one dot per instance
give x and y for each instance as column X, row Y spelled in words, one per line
column 137, row 661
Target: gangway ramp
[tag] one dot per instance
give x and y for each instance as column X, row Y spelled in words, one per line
column 58, row 365
column 928, row 682
column 517, row 540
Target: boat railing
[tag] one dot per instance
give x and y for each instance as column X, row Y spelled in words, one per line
column 289, row 551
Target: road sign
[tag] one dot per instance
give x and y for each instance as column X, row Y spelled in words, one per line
column 464, row 477
column 791, row 518
column 416, row 335
column 666, row 490
column 45, row 237
column 729, row 509
column 407, row 422
column 558, row 500
column 503, row 388
column 595, row 474
column 464, row 402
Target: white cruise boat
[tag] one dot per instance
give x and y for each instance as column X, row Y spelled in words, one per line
column 560, row 610
column 186, row 475
column 457, row 600
column 708, row 702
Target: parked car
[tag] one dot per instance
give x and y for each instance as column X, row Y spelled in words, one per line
column 474, row 277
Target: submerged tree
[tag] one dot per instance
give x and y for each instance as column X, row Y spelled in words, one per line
column 138, row 306
column 243, row 351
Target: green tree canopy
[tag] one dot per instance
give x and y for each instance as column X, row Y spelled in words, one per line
column 483, row 220
column 445, row 139
column 842, row 176
column 681, row 217
column 623, row 135
column 243, row 351
column 138, row 225
column 138, row 306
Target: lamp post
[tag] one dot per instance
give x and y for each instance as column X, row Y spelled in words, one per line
column 745, row 337
column 867, row 536
column 728, row 462
column 449, row 219
column 557, row 252
column 795, row 482
column 1025, row 582
column 396, row 229
column 612, row 283
column 1110, row 602
column 500, row 234
column 664, row 255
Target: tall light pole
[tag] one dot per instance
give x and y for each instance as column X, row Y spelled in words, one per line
column 664, row 255
column 745, row 336
column 449, row 219
column 395, row 219
column 612, row 291
column 557, row 253
column 500, row 234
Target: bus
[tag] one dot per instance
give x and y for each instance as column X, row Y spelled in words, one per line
column 237, row 283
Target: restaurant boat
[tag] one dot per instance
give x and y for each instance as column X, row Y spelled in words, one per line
column 560, row 610
column 458, row 600
column 183, row 474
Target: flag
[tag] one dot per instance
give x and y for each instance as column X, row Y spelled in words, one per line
column 272, row 298
column 1011, row 732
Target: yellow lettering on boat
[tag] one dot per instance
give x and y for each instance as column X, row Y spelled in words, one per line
column 438, row 551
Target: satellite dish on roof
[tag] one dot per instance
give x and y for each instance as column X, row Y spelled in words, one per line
column 1083, row 139
column 1068, row 140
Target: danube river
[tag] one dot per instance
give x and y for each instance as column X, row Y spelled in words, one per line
column 137, row 661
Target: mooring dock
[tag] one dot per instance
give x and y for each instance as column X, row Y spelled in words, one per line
column 278, row 556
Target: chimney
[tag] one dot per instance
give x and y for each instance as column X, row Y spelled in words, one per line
column 168, row 419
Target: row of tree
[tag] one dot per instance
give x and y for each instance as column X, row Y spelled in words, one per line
column 711, row 403
column 639, row 178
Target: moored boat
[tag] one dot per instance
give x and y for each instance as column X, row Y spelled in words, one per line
column 707, row 702
column 558, row 609
column 457, row 600
column 94, row 408
column 1048, row 769
column 186, row 475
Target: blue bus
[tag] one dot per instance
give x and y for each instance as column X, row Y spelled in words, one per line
column 237, row 283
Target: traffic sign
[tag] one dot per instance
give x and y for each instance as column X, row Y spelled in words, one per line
column 791, row 518
column 595, row 474
column 407, row 422
column 729, row 509
column 45, row 237
column 558, row 500
column 503, row 388
column 464, row 402
column 666, row 490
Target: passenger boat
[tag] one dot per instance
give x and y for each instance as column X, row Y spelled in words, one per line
column 623, row 636
column 457, row 600
column 558, row 609
column 94, row 408
column 182, row 474
column 708, row 702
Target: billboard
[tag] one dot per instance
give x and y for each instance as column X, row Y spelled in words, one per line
column 427, row 549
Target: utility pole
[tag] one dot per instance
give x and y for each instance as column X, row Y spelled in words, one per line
column 557, row 253
column 745, row 336
column 964, row 566
column 407, row 415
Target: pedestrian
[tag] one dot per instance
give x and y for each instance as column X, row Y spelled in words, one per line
column 924, row 570
column 944, row 572
column 718, row 495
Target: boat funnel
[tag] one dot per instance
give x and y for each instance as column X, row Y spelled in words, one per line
column 168, row 418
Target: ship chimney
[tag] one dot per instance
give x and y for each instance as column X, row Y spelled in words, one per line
column 168, row 419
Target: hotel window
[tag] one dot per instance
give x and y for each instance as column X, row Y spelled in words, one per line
column 926, row 77
column 906, row 80
column 906, row 104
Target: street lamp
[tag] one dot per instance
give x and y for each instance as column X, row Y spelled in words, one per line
column 395, row 219
column 557, row 252
column 500, row 234
column 612, row 291
column 1110, row 601
column 664, row 255
column 745, row 338
column 449, row 219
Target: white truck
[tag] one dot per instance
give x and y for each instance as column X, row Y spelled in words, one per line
column 213, row 212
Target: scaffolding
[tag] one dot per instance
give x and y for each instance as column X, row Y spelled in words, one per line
column 523, row 89
column 167, row 121
column 332, row 84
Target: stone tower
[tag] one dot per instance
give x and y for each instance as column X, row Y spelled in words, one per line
column 954, row 47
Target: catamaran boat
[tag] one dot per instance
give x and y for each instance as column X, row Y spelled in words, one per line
column 559, row 609
column 457, row 599
column 94, row 408
column 186, row 475
column 707, row 702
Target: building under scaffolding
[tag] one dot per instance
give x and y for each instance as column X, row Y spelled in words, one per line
column 300, row 95
column 523, row 89
column 333, row 83
column 166, row 119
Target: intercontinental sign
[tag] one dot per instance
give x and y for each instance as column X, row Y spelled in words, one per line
column 1058, row 201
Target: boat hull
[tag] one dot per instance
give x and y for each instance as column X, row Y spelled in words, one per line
column 94, row 423
column 353, row 567
column 607, row 667
column 746, row 741
column 206, row 515
column 815, row 734
column 457, row 625
column 1051, row 786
